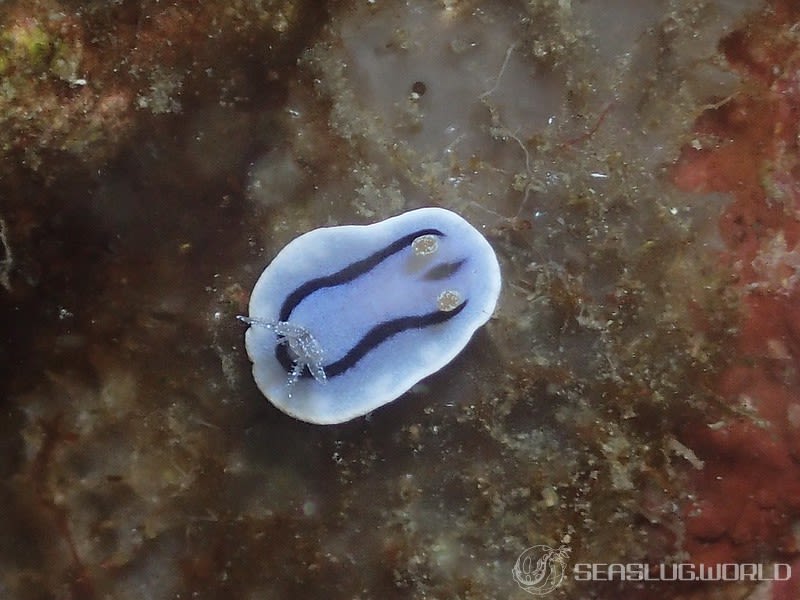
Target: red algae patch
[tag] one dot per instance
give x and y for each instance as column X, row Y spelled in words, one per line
column 747, row 498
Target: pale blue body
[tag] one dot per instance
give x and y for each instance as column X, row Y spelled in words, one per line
column 339, row 316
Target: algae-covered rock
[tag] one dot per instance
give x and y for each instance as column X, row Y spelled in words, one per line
column 78, row 79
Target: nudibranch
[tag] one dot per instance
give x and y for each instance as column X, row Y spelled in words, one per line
column 346, row 319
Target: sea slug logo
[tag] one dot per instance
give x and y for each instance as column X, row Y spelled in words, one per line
column 540, row 569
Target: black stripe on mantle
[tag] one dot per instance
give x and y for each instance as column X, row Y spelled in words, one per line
column 371, row 340
column 349, row 273
column 379, row 333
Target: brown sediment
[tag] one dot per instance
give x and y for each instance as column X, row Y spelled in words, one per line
column 563, row 422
